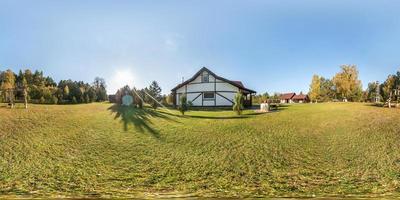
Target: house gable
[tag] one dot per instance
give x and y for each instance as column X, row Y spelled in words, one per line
column 207, row 89
column 196, row 79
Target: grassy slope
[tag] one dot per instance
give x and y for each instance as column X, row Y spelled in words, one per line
column 77, row 150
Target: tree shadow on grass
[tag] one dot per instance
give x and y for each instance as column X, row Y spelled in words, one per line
column 376, row 105
column 243, row 116
column 139, row 118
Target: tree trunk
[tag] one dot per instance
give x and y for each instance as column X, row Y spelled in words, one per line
column 11, row 98
column 26, row 99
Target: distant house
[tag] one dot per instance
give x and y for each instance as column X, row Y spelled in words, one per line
column 206, row 89
column 300, row 98
column 287, row 97
column 293, row 98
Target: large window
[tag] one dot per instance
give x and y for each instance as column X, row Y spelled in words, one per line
column 205, row 78
column 208, row 95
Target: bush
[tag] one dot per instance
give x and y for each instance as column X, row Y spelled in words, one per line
column 184, row 106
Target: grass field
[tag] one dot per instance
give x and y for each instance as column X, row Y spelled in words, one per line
column 102, row 150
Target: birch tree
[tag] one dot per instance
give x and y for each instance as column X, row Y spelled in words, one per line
column 315, row 89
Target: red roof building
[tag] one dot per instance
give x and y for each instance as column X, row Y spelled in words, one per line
column 293, row 98
column 300, row 98
column 287, row 97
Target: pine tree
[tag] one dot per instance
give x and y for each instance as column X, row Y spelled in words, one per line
column 154, row 91
column 183, row 106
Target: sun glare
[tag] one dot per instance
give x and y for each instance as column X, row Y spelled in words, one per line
column 120, row 79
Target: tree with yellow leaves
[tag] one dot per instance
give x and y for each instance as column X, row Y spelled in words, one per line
column 347, row 83
column 8, row 86
column 315, row 89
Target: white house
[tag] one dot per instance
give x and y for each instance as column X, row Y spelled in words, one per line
column 206, row 89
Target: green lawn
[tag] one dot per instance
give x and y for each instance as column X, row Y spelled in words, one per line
column 102, row 150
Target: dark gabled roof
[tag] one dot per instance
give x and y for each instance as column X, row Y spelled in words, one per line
column 287, row 95
column 239, row 83
column 235, row 83
column 300, row 97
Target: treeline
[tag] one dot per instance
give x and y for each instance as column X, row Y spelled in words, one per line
column 37, row 88
column 150, row 95
column 265, row 97
column 345, row 86
column 388, row 91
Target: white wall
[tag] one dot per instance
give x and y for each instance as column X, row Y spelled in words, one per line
column 191, row 97
column 224, row 86
column 222, row 101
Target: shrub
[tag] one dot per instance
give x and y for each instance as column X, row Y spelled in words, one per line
column 184, row 106
column 154, row 104
column 238, row 103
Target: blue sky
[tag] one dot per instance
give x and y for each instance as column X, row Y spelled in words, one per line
column 273, row 46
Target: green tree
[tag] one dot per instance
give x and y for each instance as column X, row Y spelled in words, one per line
column 315, row 89
column 54, row 100
column 154, row 91
column 238, row 103
column 92, row 94
column 66, row 92
column 87, row 98
column 327, row 91
column 42, row 100
column 387, row 88
column 373, row 91
column 99, row 84
column 74, row 101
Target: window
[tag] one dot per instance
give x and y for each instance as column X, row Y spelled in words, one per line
column 208, row 95
column 205, row 78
